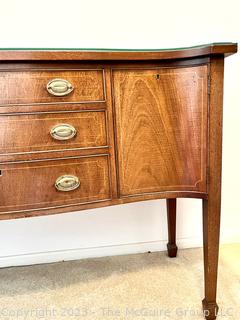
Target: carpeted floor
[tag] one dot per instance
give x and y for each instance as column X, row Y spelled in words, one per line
column 142, row 286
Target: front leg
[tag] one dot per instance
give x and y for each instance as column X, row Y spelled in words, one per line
column 212, row 205
column 211, row 226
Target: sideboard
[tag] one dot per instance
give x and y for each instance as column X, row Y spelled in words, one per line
column 88, row 128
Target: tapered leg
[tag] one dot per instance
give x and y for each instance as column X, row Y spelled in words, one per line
column 211, row 226
column 171, row 217
column 212, row 205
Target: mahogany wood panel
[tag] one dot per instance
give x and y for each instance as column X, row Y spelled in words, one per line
column 56, row 154
column 111, row 133
column 100, row 204
column 31, row 185
column 60, row 107
column 31, row 132
column 161, row 124
column 225, row 49
column 29, row 86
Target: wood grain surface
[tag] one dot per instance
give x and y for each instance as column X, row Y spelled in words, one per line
column 161, row 128
column 30, row 185
column 29, row 86
column 225, row 49
column 31, row 132
column 212, row 205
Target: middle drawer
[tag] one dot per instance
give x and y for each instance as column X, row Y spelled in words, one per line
column 52, row 131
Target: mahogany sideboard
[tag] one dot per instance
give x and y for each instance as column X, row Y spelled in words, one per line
column 88, row 128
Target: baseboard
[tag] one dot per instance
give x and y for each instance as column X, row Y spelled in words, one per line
column 92, row 252
column 102, row 251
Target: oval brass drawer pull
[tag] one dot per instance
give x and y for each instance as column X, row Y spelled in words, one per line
column 63, row 131
column 59, row 87
column 67, row 183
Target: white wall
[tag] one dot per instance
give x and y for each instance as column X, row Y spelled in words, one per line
column 124, row 24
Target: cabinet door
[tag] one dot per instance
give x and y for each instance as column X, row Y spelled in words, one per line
column 161, row 129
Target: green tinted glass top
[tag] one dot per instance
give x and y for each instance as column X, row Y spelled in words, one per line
column 115, row 49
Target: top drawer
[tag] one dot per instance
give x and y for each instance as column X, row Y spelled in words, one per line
column 51, row 86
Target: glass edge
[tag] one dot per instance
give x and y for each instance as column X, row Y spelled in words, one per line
column 119, row 49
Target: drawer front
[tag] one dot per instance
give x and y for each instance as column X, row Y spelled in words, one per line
column 37, row 87
column 53, row 183
column 53, row 131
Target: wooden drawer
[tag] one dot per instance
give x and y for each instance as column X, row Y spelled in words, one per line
column 31, row 185
column 52, row 131
column 30, row 86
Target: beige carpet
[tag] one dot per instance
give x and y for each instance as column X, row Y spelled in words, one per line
column 142, row 286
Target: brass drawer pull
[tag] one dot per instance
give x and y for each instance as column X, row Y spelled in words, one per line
column 59, row 87
column 67, row 183
column 63, row 131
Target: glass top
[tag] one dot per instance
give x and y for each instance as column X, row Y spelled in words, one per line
column 116, row 49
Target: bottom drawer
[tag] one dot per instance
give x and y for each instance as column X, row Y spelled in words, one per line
column 53, row 183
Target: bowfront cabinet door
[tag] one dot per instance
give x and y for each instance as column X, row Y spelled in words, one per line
column 161, row 129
